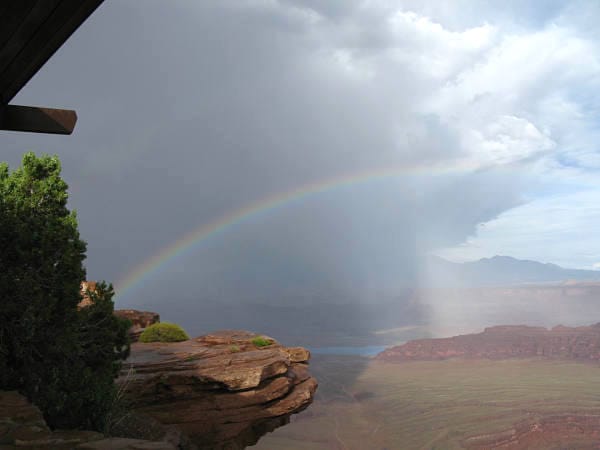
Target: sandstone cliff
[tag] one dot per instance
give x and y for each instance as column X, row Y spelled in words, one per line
column 217, row 391
column 85, row 287
column 580, row 343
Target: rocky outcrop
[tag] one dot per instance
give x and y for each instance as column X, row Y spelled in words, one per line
column 85, row 287
column 555, row 431
column 580, row 343
column 22, row 426
column 220, row 391
column 140, row 320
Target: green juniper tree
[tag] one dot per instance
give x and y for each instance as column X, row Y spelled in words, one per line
column 63, row 359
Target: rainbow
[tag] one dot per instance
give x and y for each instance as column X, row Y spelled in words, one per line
column 193, row 239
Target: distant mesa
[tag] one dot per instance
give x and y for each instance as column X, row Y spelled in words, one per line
column 501, row 271
column 503, row 342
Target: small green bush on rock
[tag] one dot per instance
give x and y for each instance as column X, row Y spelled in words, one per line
column 164, row 332
column 261, row 341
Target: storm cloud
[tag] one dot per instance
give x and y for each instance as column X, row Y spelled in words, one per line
column 191, row 110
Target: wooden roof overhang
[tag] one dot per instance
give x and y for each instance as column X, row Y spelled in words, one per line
column 30, row 32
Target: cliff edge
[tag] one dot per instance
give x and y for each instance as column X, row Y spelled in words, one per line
column 218, row 391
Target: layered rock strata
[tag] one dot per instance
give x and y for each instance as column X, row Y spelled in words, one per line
column 219, row 391
column 501, row 342
column 557, row 431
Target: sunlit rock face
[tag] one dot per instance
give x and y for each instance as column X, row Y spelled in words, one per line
column 85, row 287
column 218, row 391
column 501, row 342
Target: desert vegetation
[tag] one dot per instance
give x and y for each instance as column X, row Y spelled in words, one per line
column 164, row 332
column 62, row 358
column 261, row 341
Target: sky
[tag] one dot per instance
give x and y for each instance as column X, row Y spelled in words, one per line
column 466, row 129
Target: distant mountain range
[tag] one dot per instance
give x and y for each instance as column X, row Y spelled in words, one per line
column 500, row 271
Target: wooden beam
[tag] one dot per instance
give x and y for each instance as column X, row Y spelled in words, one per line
column 38, row 120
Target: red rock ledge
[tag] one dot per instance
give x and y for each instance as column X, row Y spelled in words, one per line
column 217, row 391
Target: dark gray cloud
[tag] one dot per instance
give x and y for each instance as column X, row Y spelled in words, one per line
column 189, row 112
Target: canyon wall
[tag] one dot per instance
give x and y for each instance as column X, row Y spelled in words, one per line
column 501, row 342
